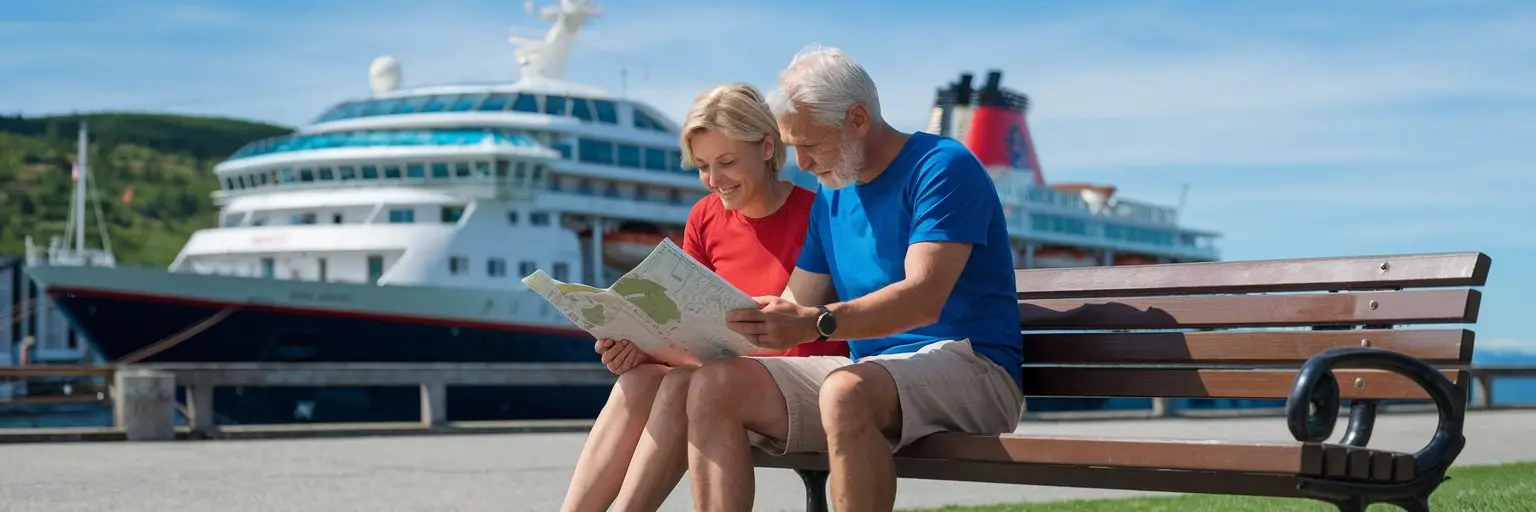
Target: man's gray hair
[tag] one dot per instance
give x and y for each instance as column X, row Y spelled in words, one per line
column 826, row 82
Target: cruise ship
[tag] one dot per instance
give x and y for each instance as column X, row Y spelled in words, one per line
column 396, row 227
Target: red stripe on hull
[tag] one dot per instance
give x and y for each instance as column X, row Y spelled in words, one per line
column 295, row 310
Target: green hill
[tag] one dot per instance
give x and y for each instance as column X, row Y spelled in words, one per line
column 167, row 160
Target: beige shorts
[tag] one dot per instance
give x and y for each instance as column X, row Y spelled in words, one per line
column 943, row 387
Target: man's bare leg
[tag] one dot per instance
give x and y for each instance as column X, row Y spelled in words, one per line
column 725, row 399
column 611, row 442
column 662, row 455
column 859, row 408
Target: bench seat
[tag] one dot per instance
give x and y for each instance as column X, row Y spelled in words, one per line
column 1317, row 333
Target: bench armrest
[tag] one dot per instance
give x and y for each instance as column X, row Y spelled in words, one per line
column 1312, row 408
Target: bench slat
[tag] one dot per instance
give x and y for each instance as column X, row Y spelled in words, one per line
column 1252, row 484
column 1208, row 383
column 1406, row 307
column 1434, row 346
column 1290, row 275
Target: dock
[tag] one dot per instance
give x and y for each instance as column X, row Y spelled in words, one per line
column 530, row 471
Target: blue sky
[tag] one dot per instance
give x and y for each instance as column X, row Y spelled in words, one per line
column 1302, row 128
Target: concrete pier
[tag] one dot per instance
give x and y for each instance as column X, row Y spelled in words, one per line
column 144, row 404
column 516, row 472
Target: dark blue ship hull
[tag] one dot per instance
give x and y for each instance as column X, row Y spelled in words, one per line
column 120, row 324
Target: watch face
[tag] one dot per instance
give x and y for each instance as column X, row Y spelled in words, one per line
column 826, row 324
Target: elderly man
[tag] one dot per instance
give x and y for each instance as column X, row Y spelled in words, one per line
column 907, row 257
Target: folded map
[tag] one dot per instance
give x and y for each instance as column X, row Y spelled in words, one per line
column 670, row 306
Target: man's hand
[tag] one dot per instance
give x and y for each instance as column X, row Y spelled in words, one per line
column 620, row 356
column 776, row 323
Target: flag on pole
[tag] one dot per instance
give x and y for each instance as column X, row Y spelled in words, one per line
column 74, row 171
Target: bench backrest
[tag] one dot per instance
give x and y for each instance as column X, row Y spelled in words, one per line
column 1209, row 330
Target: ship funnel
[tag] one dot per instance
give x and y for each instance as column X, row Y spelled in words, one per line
column 994, row 128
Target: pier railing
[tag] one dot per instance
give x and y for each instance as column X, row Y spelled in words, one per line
column 144, row 403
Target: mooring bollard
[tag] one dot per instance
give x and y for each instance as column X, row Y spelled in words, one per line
column 144, row 404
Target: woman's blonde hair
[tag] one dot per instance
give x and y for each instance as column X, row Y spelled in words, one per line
column 738, row 111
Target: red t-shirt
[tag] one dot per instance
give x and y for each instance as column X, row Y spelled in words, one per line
column 756, row 255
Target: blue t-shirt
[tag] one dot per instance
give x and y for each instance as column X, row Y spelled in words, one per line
column 935, row 190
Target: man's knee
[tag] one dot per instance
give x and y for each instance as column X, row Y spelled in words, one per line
column 859, row 396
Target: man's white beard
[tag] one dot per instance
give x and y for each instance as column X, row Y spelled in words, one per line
column 845, row 171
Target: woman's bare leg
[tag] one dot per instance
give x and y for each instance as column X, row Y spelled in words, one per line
column 662, row 455
column 611, row 443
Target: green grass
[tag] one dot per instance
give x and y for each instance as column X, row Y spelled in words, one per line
column 1501, row 488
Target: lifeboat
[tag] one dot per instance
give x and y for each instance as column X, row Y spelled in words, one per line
column 1134, row 259
column 1063, row 257
column 630, row 244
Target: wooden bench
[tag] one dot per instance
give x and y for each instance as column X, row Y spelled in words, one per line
column 1209, row 330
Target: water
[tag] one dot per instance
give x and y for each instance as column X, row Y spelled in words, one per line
column 1506, row 392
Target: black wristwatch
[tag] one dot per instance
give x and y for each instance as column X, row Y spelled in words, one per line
column 826, row 324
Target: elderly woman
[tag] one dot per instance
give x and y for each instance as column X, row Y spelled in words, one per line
column 749, row 231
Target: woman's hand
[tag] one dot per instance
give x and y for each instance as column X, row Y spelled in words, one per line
column 620, row 356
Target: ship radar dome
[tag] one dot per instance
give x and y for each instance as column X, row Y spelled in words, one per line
column 384, row 75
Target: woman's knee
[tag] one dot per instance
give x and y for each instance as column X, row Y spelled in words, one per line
column 676, row 382
column 711, row 385
column 639, row 383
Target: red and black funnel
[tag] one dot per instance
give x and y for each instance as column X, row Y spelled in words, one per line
column 989, row 121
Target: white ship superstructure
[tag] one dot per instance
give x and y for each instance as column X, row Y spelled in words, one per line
column 454, row 186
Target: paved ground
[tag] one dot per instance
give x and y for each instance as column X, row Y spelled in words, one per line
column 531, row 471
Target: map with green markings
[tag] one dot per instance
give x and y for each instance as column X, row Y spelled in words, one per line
column 670, row 306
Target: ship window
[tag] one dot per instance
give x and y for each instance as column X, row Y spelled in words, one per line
column 382, row 107
column 483, row 168
column 554, row 105
column 581, row 109
column 264, row 177
column 458, row 265
column 372, row 172
column 439, row 170
column 467, row 102
column 655, row 159
column 461, row 169
column 584, row 187
column 402, row 216
column 612, row 190
column 268, row 268
column 348, row 173
column 596, row 151
column 629, row 156
column 336, row 218
column 501, row 168
column 526, row 268
column 496, row 267
column 409, row 105
column 326, row 174
column 675, row 162
column 415, row 171
column 452, row 214
column 646, row 122
column 560, row 271
column 287, row 175
column 437, row 103
column 512, row 217
column 675, row 197
column 302, row 218
column 606, row 113
column 526, row 103
column 306, row 175
column 538, row 218
column 495, row 103
column 229, row 184
column 640, row 193
column 564, row 148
